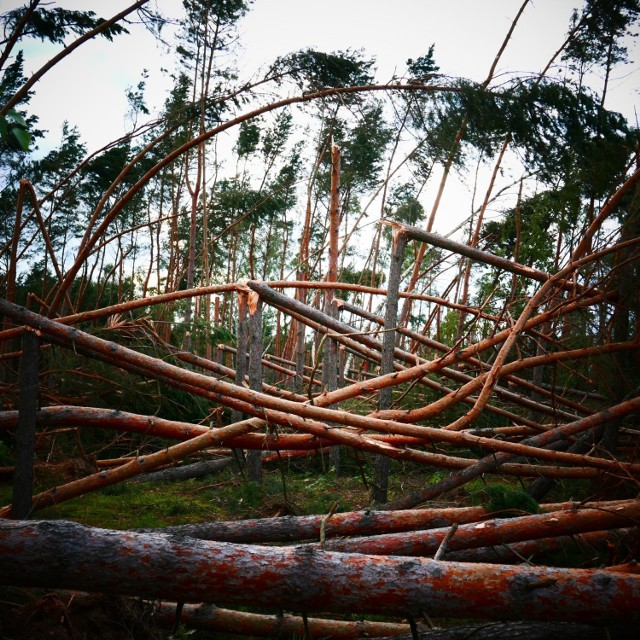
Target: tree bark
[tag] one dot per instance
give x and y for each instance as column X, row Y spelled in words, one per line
column 26, row 431
column 211, row 618
column 187, row 471
column 254, row 456
column 380, row 485
column 493, row 532
column 58, row 554
column 351, row 523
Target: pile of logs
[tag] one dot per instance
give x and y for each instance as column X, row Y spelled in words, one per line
column 397, row 560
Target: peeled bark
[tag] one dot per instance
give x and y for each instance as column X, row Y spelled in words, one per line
column 57, row 554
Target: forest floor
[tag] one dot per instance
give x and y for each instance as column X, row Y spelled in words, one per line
column 290, row 487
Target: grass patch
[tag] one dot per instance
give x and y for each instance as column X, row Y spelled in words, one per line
column 499, row 497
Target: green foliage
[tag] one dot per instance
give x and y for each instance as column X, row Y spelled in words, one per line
column 403, row 204
column 17, row 129
column 600, row 30
column 423, row 66
column 13, row 130
column 497, row 497
column 314, row 70
column 358, row 276
column 248, row 138
column 6, row 458
column 55, row 24
column 449, row 328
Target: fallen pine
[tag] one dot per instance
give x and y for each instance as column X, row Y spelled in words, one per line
column 135, row 467
column 199, row 469
column 350, row 523
column 58, row 554
column 496, row 531
column 528, row 631
column 212, row 618
column 306, row 417
column 592, row 542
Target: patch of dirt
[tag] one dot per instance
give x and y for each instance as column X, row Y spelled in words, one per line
column 75, row 616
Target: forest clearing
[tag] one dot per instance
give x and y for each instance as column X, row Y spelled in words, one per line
column 258, row 380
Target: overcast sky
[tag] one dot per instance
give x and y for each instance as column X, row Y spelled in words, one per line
column 87, row 89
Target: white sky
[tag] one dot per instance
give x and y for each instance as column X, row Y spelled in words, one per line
column 87, row 89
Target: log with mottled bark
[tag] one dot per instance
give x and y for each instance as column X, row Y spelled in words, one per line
column 212, row 618
column 57, row 554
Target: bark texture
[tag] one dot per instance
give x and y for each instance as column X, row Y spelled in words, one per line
column 67, row 555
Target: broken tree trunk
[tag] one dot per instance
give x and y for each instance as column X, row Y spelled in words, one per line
column 254, row 456
column 135, row 467
column 380, row 484
column 492, row 461
column 186, row 472
column 57, row 554
column 330, row 349
column 26, row 431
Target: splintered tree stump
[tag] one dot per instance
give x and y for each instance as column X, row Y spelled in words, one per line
column 72, row 556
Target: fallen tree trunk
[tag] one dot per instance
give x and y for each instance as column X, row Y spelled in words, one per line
column 293, row 414
column 211, row 618
column 491, row 532
column 528, row 631
column 516, row 552
column 56, row 554
column 186, row 471
column 350, row 523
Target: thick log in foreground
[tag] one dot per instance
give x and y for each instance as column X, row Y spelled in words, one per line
column 67, row 555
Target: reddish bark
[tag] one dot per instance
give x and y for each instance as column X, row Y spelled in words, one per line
column 210, row 618
column 352, row 523
column 277, row 410
column 493, row 532
column 58, row 554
